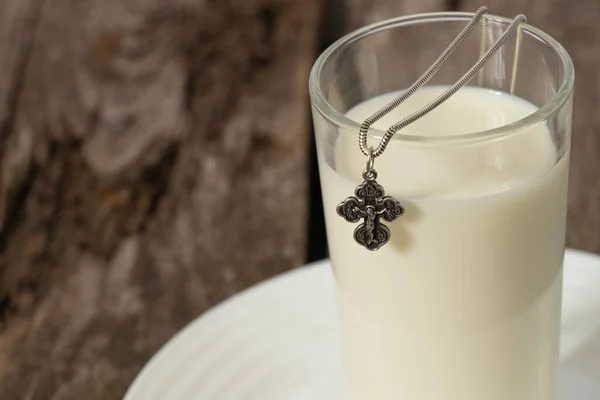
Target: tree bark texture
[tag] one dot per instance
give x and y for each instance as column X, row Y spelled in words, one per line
column 153, row 161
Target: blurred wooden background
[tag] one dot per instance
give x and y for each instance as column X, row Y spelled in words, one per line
column 155, row 158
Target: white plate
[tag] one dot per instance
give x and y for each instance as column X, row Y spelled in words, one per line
column 278, row 341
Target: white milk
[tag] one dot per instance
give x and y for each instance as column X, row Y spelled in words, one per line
column 464, row 302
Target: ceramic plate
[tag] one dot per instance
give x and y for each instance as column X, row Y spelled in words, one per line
column 278, row 341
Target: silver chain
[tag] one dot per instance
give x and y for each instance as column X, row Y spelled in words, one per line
column 362, row 137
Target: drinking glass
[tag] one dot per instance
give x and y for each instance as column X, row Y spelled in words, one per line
column 464, row 301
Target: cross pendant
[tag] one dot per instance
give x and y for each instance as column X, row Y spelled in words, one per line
column 371, row 204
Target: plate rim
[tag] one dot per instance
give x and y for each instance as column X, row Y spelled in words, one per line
column 321, row 266
column 155, row 359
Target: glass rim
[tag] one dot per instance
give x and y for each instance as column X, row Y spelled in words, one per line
column 341, row 121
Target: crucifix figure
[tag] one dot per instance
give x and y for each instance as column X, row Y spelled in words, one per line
column 371, row 204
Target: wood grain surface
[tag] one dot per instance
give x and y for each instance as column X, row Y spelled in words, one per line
column 153, row 161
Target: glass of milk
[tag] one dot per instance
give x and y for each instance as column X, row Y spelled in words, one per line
column 463, row 303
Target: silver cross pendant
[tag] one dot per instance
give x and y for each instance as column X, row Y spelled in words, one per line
column 371, row 204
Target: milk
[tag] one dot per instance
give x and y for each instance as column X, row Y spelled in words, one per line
column 463, row 303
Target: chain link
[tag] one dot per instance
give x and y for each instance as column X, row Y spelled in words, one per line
column 362, row 137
